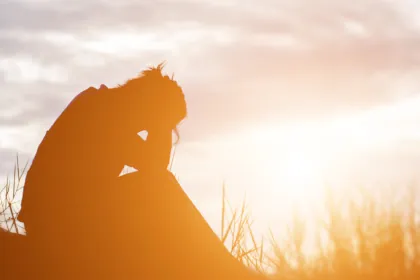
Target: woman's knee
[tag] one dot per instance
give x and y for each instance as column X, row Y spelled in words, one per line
column 146, row 178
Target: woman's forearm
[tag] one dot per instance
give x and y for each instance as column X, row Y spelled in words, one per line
column 154, row 153
column 159, row 147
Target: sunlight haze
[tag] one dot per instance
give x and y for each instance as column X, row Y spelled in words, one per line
column 284, row 97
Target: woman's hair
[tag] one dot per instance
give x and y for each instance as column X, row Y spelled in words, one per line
column 152, row 87
column 177, row 135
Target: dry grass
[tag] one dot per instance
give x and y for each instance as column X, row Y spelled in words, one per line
column 9, row 203
column 237, row 235
column 359, row 237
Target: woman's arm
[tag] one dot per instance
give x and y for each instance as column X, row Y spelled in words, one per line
column 159, row 144
column 154, row 153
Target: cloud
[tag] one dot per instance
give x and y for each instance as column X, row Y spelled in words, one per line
column 238, row 62
column 87, row 16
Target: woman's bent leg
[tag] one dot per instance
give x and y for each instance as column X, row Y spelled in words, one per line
column 167, row 236
column 71, row 244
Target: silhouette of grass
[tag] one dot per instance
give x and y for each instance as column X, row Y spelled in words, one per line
column 358, row 237
column 237, row 235
column 8, row 199
column 361, row 236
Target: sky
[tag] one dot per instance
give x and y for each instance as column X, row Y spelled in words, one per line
column 282, row 96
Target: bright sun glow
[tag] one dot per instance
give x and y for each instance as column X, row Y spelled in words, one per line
column 303, row 157
column 296, row 158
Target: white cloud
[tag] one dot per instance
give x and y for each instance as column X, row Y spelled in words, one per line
column 27, row 70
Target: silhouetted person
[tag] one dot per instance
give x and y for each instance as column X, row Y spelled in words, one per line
column 86, row 222
column 81, row 156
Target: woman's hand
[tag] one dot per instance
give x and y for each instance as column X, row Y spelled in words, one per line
column 152, row 154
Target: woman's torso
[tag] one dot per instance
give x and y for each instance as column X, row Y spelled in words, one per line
column 77, row 158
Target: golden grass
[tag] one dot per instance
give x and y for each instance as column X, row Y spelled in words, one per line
column 360, row 237
column 364, row 238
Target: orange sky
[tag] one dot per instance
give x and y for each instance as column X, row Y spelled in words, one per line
column 282, row 95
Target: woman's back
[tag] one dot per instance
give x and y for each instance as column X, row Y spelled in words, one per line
column 76, row 154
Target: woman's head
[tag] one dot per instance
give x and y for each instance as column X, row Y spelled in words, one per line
column 155, row 99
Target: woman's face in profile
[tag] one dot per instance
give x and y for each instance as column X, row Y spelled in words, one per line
column 169, row 110
column 149, row 118
column 162, row 121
